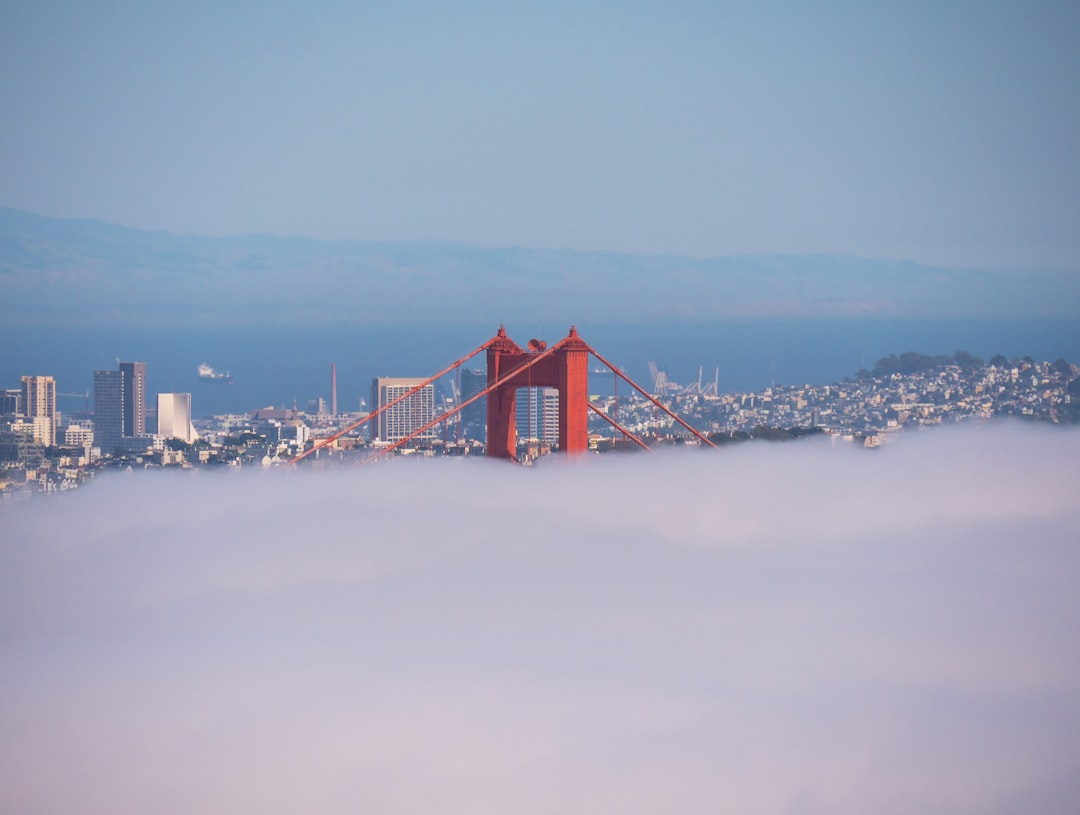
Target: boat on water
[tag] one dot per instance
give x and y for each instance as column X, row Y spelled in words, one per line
column 207, row 373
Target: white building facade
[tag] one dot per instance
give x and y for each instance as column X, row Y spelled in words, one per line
column 538, row 415
column 408, row 415
column 174, row 417
column 39, row 408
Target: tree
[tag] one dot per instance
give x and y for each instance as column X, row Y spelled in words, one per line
column 1062, row 368
column 969, row 362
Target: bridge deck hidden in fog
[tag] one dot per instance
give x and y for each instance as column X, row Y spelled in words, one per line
column 563, row 366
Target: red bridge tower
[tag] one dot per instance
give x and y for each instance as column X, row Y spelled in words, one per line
column 565, row 367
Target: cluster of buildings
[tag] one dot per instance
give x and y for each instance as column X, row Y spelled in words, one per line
column 874, row 405
column 41, row 450
column 123, row 422
column 537, row 411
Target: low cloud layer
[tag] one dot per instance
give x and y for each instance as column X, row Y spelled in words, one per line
column 768, row 629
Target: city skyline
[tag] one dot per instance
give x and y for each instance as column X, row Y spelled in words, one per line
column 905, row 392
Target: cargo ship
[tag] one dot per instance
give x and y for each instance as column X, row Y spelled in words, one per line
column 207, row 373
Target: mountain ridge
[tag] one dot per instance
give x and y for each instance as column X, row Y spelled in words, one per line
column 90, row 271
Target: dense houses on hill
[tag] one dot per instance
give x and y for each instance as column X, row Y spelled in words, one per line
column 874, row 404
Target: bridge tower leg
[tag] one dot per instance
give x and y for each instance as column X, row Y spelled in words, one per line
column 502, row 402
column 502, row 423
column 574, row 394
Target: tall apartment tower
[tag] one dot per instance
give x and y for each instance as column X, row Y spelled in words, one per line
column 11, row 402
column 538, row 414
column 474, row 417
column 38, row 404
column 134, row 398
column 119, row 405
column 108, row 410
column 407, row 416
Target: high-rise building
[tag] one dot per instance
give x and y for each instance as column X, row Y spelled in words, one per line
column 473, row 417
column 108, row 410
column 551, row 416
column 408, row 415
column 38, row 405
column 120, row 406
column 134, row 398
column 174, row 417
column 10, row 401
column 538, row 414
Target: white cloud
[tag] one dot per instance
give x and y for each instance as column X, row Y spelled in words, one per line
column 770, row 629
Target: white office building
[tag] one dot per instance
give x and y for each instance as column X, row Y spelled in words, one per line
column 538, row 415
column 174, row 417
column 405, row 417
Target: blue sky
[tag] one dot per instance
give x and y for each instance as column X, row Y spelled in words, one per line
column 938, row 132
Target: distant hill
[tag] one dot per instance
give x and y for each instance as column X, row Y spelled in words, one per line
column 77, row 272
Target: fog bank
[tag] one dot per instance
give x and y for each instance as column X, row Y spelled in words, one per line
column 766, row 629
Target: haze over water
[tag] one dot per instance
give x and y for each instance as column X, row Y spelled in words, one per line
column 280, row 365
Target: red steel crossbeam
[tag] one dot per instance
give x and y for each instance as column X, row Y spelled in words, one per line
column 618, row 427
column 330, row 439
column 650, row 397
column 502, row 380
